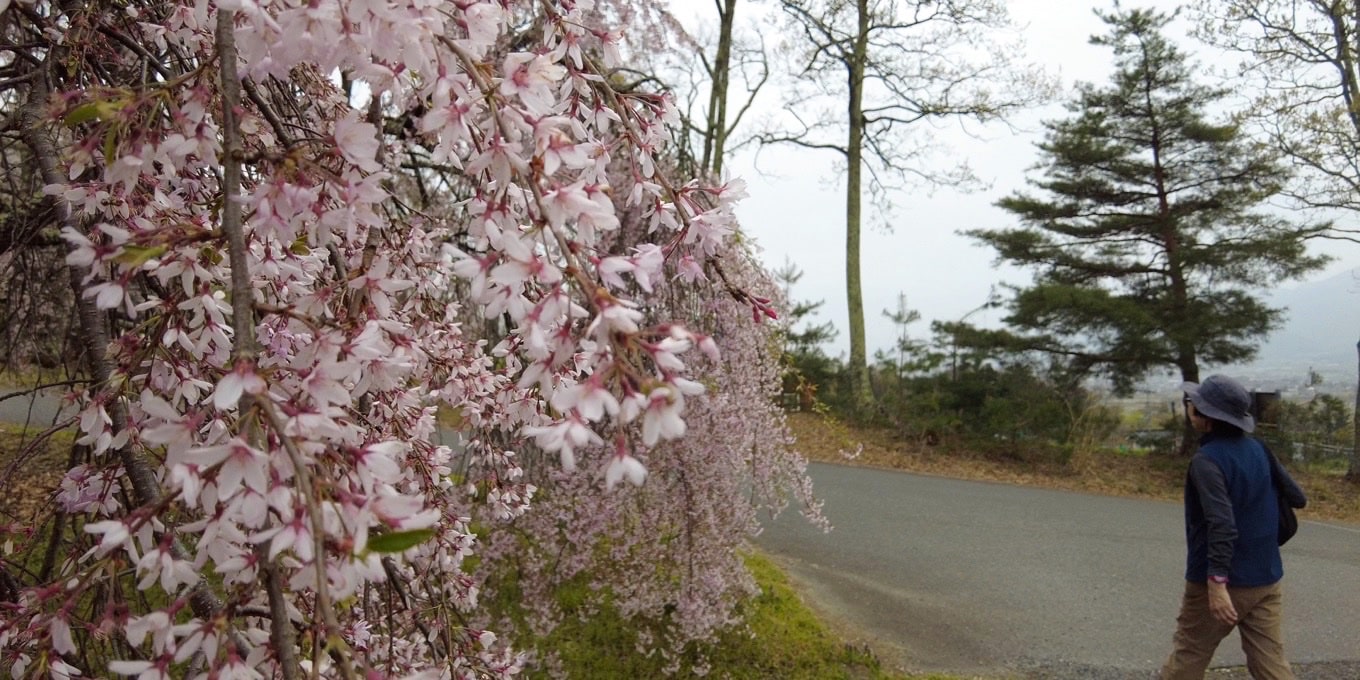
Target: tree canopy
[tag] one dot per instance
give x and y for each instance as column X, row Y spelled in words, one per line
column 300, row 242
column 1150, row 236
column 1300, row 56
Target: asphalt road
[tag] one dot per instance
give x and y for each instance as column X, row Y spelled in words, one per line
column 946, row 575
column 36, row 410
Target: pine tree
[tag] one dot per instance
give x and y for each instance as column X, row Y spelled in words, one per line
column 1151, row 239
column 807, row 368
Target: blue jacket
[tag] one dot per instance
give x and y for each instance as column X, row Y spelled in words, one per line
column 1232, row 512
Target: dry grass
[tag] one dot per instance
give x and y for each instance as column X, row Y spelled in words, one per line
column 29, row 473
column 824, row 438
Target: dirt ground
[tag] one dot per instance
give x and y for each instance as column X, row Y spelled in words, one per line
column 826, row 439
column 29, row 474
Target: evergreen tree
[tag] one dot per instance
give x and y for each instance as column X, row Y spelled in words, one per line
column 1150, row 240
column 808, row 369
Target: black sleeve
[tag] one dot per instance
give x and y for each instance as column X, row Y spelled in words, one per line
column 1293, row 493
column 1218, row 513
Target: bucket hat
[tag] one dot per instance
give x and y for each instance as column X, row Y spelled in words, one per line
column 1222, row 398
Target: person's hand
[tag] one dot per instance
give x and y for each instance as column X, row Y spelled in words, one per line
column 1220, row 605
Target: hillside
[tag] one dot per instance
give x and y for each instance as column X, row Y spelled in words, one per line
column 1320, row 332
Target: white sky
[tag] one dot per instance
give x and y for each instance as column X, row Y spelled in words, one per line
column 796, row 207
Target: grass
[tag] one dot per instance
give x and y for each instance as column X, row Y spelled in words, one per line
column 781, row 638
column 784, row 639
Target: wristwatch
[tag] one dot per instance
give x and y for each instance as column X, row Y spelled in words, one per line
column 1219, row 579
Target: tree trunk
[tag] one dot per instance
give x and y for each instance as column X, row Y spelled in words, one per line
column 859, row 363
column 1189, row 436
column 1353, row 472
column 715, row 137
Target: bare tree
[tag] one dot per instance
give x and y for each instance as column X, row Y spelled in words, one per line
column 871, row 75
column 1303, row 54
column 726, row 72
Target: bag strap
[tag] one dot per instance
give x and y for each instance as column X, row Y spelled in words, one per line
column 1277, row 476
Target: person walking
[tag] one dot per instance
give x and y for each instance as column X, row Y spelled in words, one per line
column 1233, row 566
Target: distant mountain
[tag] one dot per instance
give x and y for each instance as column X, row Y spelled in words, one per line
column 1321, row 328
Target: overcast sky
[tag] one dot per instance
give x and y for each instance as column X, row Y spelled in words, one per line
column 796, row 207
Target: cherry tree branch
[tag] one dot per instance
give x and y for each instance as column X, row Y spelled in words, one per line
column 95, row 332
column 242, row 297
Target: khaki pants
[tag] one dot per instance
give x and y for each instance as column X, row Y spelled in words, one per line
column 1198, row 633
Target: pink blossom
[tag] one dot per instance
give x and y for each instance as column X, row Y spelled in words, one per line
column 649, row 259
column 378, row 463
column 691, row 270
column 617, row 316
column 60, row 630
column 501, row 158
column 588, row 398
column 622, row 467
column 531, row 77
column 664, row 354
column 61, row 670
column 378, row 284
column 557, row 147
column 176, row 431
column 496, row 284
column 143, row 670
column 294, row 534
column 157, row 624
column 357, row 141
column 661, row 419
column 483, row 21
column 241, row 466
column 710, row 348
column 571, row 433
column 402, row 511
column 158, row 564
column 115, row 534
column 610, row 268
column 241, row 379
column 84, row 489
column 84, row 253
column 107, row 295
column 610, row 43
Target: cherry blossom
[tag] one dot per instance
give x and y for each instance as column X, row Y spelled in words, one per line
column 531, row 78
column 622, row 467
column 160, row 566
column 240, row 380
column 373, row 277
column 661, row 418
column 357, row 141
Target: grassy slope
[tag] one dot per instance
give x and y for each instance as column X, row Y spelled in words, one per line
column 783, row 638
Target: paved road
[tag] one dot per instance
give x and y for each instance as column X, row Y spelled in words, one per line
column 948, row 575
column 38, row 411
